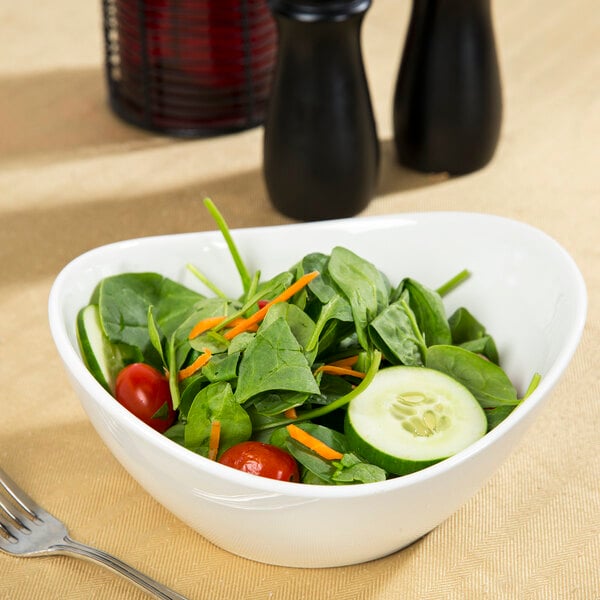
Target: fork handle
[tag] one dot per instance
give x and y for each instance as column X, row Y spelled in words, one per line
column 118, row 566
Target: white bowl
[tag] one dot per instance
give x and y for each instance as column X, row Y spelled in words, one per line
column 524, row 287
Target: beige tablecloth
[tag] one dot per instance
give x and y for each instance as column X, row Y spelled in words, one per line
column 73, row 176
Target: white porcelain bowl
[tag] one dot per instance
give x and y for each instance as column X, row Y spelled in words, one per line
column 524, row 287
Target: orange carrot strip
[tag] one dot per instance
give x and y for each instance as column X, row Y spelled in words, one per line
column 208, row 323
column 290, row 413
column 333, row 370
column 313, row 443
column 196, row 365
column 204, row 325
column 259, row 315
column 348, row 362
column 213, row 441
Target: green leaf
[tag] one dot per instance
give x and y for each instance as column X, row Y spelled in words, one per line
column 484, row 345
column 216, row 403
column 124, row 301
column 176, row 433
column 189, row 388
column 274, row 403
column 301, row 325
column 274, row 360
column 395, row 333
column 495, row 416
column 162, row 412
column 429, row 312
column 469, row 333
column 221, row 367
column 351, row 469
column 362, row 284
column 485, row 380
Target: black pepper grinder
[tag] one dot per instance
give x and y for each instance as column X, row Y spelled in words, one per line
column 321, row 152
column 448, row 104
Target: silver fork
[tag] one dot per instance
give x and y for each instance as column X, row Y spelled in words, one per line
column 26, row 529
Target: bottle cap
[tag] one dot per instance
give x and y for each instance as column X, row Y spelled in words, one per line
column 319, row 10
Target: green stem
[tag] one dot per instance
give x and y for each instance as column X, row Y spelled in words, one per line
column 207, row 282
column 535, row 381
column 454, row 282
column 237, row 259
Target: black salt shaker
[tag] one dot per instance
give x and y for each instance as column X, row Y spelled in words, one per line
column 321, row 151
column 447, row 108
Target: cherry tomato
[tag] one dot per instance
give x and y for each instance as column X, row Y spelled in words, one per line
column 261, row 459
column 143, row 391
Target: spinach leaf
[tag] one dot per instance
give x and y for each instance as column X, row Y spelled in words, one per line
column 301, row 325
column 213, row 340
column 337, row 309
column 321, row 287
column 176, row 433
column 485, row 346
column 495, row 416
column 240, row 342
column 189, row 388
column 221, row 367
column 485, row 380
column 124, row 301
column 429, row 312
column 351, row 469
column 469, row 333
column 363, row 285
column 274, row 360
column 216, row 403
column 275, row 403
column 394, row 331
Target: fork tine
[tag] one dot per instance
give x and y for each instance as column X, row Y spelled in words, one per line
column 12, row 514
column 19, row 498
column 6, row 532
column 9, row 531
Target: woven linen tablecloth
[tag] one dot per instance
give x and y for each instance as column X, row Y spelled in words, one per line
column 73, row 176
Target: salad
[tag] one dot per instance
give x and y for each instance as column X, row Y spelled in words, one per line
column 327, row 373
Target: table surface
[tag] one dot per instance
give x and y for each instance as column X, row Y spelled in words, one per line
column 73, row 176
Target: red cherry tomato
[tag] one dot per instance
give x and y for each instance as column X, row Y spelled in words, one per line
column 261, row 459
column 143, row 391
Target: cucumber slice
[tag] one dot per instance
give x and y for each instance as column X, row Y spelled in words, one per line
column 98, row 354
column 412, row 417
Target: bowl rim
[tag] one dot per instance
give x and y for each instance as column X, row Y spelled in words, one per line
column 72, row 360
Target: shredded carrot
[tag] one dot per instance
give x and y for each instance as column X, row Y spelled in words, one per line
column 348, row 362
column 196, row 365
column 213, row 442
column 204, row 325
column 259, row 315
column 333, row 370
column 251, row 328
column 313, row 443
column 208, row 323
column 290, row 413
